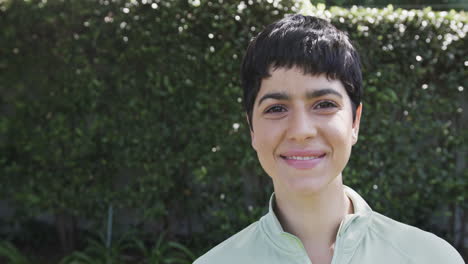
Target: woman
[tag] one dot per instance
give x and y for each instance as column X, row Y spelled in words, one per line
column 302, row 95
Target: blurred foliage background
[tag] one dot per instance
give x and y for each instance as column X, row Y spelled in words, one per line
column 433, row 4
column 122, row 135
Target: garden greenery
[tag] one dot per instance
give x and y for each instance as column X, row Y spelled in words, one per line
column 137, row 104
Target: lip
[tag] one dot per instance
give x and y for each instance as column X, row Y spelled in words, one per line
column 303, row 164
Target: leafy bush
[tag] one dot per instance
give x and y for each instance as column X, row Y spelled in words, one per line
column 131, row 250
column 11, row 254
column 164, row 252
column 97, row 252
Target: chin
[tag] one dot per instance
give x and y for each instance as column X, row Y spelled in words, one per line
column 307, row 185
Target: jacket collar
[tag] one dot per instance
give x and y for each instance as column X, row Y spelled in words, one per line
column 351, row 230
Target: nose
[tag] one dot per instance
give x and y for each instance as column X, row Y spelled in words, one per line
column 301, row 127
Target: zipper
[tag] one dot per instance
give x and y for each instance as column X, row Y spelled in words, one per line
column 336, row 258
column 299, row 244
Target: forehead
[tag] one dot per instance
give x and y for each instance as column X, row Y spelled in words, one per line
column 295, row 83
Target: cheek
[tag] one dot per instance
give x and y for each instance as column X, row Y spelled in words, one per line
column 264, row 143
column 267, row 138
column 339, row 135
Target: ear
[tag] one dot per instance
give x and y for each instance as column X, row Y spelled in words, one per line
column 356, row 123
column 252, row 134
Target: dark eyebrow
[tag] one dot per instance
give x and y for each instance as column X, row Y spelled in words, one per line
column 309, row 95
column 277, row 96
column 322, row 92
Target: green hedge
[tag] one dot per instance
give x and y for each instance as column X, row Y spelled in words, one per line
column 136, row 104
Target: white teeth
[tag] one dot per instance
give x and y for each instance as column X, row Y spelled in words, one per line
column 302, row 158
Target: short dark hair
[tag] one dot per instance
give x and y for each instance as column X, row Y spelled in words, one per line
column 310, row 43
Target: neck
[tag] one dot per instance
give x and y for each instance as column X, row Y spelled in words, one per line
column 314, row 218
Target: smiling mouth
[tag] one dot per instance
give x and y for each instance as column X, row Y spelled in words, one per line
column 304, row 161
column 302, row 157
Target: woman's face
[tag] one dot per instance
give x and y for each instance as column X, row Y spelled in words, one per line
column 303, row 130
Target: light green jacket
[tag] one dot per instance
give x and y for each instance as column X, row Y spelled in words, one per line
column 364, row 237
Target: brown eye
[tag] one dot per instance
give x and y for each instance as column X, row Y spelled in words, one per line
column 325, row 104
column 276, row 109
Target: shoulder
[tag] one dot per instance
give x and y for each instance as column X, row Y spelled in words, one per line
column 238, row 246
column 418, row 245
